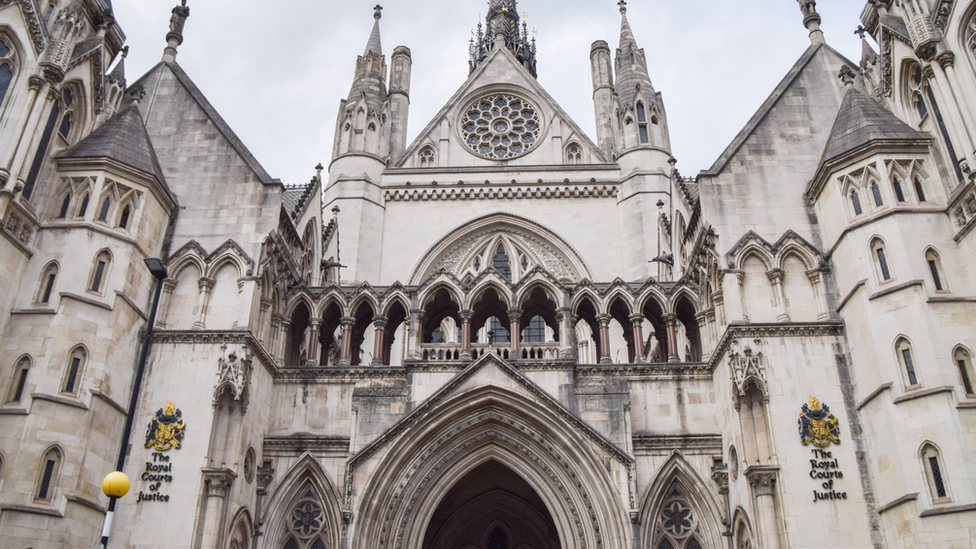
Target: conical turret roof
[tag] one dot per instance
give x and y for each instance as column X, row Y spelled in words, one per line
column 375, row 45
column 862, row 121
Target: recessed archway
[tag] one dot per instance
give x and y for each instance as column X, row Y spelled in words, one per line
column 491, row 507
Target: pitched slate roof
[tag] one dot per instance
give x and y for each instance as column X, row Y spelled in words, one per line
column 124, row 139
column 862, row 121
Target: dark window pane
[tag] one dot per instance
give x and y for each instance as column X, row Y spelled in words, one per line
column 65, row 130
column 103, row 213
column 69, row 98
column 945, row 134
column 883, row 262
column 933, row 266
column 48, row 288
column 39, row 155
column 499, row 331
column 535, row 332
column 641, row 113
column 920, row 107
column 291, row 544
column 937, row 477
column 497, row 539
column 665, row 544
column 966, row 382
column 124, row 221
column 906, row 354
column 6, row 76
column 64, row 207
column 856, row 200
column 876, row 191
column 501, row 263
column 84, row 207
column 919, row 190
column 899, row 194
column 643, row 134
column 99, row 272
column 437, row 336
column 693, row 544
column 318, row 544
column 69, row 387
column 46, row 480
column 4, row 49
column 21, row 381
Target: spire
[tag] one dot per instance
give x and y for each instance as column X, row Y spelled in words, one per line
column 812, row 20
column 174, row 38
column 374, row 45
column 502, row 29
column 626, row 34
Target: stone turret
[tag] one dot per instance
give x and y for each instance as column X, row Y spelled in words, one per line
column 502, row 29
column 603, row 96
column 400, row 69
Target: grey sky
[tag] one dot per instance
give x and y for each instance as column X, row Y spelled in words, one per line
column 276, row 71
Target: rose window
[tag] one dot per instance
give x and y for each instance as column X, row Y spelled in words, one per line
column 677, row 519
column 501, row 126
column 307, row 519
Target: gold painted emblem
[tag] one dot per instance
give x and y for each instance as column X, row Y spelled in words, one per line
column 817, row 425
column 166, row 429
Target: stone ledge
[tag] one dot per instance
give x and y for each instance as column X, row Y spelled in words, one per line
column 13, row 412
column 922, row 394
column 86, row 503
column 32, row 509
column 688, row 444
column 109, row 401
column 60, row 400
column 874, row 395
column 893, row 289
column 33, row 312
column 892, row 504
column 66, row 295
column 131, row 304
column 952, row 299
column 948, row 510
column 860, row 284
column 969, row 405
column 297, row 445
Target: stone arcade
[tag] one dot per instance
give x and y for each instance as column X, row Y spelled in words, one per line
column 577, row 349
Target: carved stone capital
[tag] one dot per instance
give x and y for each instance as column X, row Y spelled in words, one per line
column 218, row 481
column 466, row 315
column 946, row 59
column 315, row 323
column 206, row 284
column 265, row 475
column 266, row 304
column 380, row 322
column 604, row 320
column 514, row 315
column 928, row 72
column 347, row 323
column 169, row 285
column 761, row 480
column 636, row 320
column 775, row 276
column 35, row 82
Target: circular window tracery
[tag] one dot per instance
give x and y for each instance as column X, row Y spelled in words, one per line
column 500, row 126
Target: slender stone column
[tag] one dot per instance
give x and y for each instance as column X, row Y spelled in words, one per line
column 168, row 286
column 312, row 344
column 29, row 128
column 206, row 286
column 820, row 290
column 718, row 298
column 275, row 337
column 564, row 317
column 345, row 359
column 415, row 337
column 466, row 334
column 704, row 338
column 965, row 103
column 379, row 334
column 263, row 319
column 775, row 277
column 734, row 306
column 604, row 321
column 671, row 321
column 285, row 327
column 950, row 114
column 637, row 321
column 515, row 333
column 218, row 483
column 762, row 484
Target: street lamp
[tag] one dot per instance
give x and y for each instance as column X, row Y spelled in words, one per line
column 116, row 484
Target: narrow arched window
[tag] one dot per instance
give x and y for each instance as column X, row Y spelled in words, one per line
column 124, row 219
column 899, row 193
column 74, row 371
column 103, row 211
column 501, row 263
column 642, row 122
column 18, row 382
column 923, row 99
column 919, row 190
column 41, row 153
column 7, row 67
column 83, row 209
column 935, row 269
column 65, row 203
column 878, row 249
column 935, row 474
column 99, row 272
column 916, row 83
column 876, row 193
column 966, row 375
column 427, row 158
column 907, row 360
column 46, row 286
column 68, row 99
column 856, row 203
column 47, row 479
column 574, row 154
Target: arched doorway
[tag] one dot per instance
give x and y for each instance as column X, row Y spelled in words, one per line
column 491, row 507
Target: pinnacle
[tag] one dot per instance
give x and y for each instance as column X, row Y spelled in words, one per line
column 374, row 45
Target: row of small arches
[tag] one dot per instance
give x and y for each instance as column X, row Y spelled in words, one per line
column 857, row 205
column 573, row 155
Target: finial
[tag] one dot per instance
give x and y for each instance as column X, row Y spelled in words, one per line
column 812, row 20
column 861, row 31
column 136, row 93
column 847, row 75
column 623, row 7
column 175, row 36
column 377, row 12
column 125, row 52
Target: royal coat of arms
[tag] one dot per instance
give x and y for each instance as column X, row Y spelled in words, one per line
column 818, row 425
column 166, row 429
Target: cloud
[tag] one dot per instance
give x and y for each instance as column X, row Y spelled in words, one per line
column 276, row 72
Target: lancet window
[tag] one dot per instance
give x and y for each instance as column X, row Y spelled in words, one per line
column 856, row 203
column 964, row 361
column 907, row 360
column 46, row 287
column 8, row 66
column 899, row 192
column 47, row 479
column 678, row 524
column 935, row 269
column 62, row 118
column 642, row 122
column 19, row 382
column 935, row 474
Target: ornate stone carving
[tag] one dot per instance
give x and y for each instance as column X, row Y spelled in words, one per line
column 942, row 12
column 265, row 475
column 549, row 192
column 218, row 481
column 761, row 481
column 500, row 126
column 234, row 372
column 746, row 367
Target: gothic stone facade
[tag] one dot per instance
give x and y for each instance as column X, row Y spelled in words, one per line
column 505, row 333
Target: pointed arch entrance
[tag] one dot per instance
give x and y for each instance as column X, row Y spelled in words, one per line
column 491, row 507
column 490, row 418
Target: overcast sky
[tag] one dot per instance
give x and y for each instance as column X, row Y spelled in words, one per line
column 276, row 70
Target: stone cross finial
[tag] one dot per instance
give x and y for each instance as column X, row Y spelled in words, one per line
column 847, row 75
column 861, row 31
column 623, row 6
column 377, row 11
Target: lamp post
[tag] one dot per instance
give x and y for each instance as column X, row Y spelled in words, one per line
column 113, row 483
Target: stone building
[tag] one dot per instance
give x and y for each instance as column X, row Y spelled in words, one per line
column 575, row 347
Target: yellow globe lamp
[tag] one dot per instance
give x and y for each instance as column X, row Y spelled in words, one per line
column 115, row 485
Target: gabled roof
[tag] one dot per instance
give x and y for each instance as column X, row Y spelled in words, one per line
column 214, row 116
column 523, row 78
column 124, row 139
column 862, row 121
